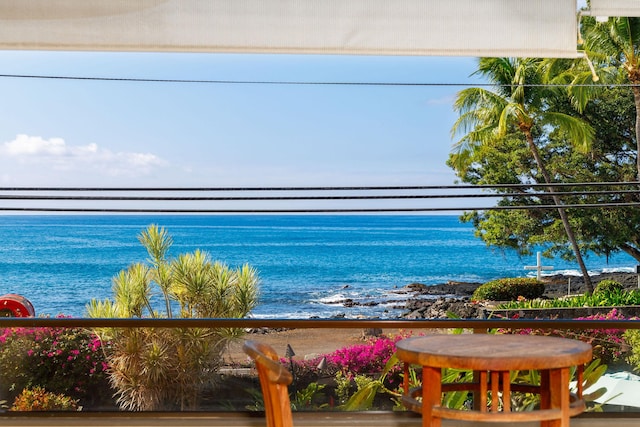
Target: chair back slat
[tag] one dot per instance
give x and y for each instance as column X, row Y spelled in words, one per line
column 274, row 379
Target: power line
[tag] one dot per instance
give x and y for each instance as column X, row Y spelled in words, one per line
column 310, row 210
column 325, row 188
column 296, row 83
column 332, row 197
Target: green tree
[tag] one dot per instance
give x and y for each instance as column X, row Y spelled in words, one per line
column 517, row 107
column 612, row 159
column 160, row 368
column 615, row 44
column 603, row 230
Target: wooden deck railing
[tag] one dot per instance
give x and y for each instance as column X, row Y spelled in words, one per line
column 112, row 418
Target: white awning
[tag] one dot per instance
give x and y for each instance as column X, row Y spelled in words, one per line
column 614, row 8
column 527, row 28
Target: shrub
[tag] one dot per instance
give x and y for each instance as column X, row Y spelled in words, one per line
column 368, row 358
column 38, row 399
column 509, row 289
column 167, row 368
column 632, row 336
column 60, row 360
column 607, row 286
column 608, row 344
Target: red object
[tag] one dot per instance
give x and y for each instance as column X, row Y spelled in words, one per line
column 13, row 305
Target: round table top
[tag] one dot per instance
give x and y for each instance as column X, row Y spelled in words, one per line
column 493, row 352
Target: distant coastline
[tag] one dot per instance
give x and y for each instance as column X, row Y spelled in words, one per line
column 455, row 297
column 309, row 266
column 418, row 300
column 556, row 285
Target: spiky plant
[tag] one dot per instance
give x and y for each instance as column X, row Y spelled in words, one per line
column 160, row 368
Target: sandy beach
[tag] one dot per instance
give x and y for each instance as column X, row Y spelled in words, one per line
column 304, row 342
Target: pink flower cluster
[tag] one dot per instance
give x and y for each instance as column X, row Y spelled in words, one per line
column 608, row 343
column 366, row 358
column 58, row 359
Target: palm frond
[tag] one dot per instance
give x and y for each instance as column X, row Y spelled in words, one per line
column 580, row 133
column 598, row 43
column 513, row 114
column 157, row 241
column 246, row 293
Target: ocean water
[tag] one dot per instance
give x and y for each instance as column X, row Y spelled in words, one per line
column 307, row 263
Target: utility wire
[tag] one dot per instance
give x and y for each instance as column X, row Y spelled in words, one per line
column 519, row 193
column 320, row 210
column 328, row 188
column 298, row 83
column 258, row 198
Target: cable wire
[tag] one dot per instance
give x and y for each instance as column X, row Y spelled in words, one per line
column 298, row 83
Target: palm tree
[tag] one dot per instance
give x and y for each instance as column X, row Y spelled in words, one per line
column 615, row 43
column 517, row 104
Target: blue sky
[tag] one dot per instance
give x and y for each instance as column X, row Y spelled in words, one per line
column 106, row 133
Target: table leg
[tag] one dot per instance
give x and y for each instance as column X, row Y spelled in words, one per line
column 545, row 397
column 558, row 389
column 405, row 382
column 431, row 395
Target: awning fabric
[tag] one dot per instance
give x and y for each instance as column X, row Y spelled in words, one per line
column 528, row 28
column 614, row 8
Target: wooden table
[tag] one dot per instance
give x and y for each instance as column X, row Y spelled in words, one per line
column 492, row 358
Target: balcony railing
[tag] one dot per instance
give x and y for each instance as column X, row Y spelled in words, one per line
column 360, row 329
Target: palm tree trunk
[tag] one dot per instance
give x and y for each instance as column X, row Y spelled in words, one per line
column 636, row 100
column 563, row 213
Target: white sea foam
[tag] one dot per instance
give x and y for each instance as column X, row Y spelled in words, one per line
column 332, row 299
column 577, row 273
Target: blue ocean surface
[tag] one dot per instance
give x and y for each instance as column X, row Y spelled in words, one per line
column 307, row 263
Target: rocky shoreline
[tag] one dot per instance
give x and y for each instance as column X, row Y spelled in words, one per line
column 435, row 301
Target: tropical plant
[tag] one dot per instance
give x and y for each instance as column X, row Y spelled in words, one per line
column 509, row 289
column 615, row 43
column 368, row 358
column 521, row 401
column 309, row 397
column 598, row 299
column 368, row 388
column 632, row 337
column 517, row 111
column 39, row 399
column 608, row 286
column 60, row 360
column 611, row 228
column 608, row 344
column 158, row 368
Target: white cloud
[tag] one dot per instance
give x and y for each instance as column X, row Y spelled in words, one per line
column 54, row 154
column 25, row 145
column 445, row 100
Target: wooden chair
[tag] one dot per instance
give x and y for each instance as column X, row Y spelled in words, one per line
column 274, row 379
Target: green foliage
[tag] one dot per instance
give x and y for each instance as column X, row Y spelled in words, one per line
column 61, row 360
column 343, row 387
column 456, row 399
column 600, row 299
column 527, row 401
column 309, row 397
column 38, row 399
column 608, row 343
column 612, row 114
column 509, row 289
column 166, row 368
column 519, row 112
column 368, row 387
column 607, row 286
column 632, row 337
